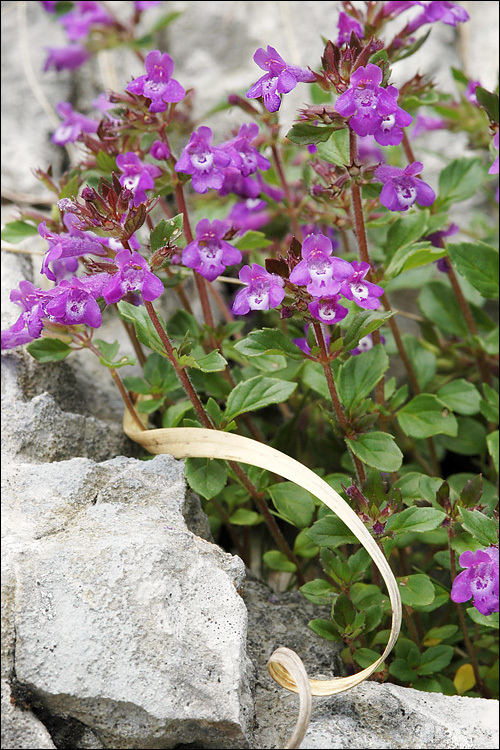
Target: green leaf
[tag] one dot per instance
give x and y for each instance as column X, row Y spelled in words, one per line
column 268, row 341
column 330, row 532
column 137, row 385
column 377, row 449
column 415, row 519
column 244, row 517
column 362, row 324
column 343, row 612
column 206, row 476
column 318, row 591
column 416, row 590
column 360, row 374
column 313, row 377
column 425, row 415
column 490, row 342
column 492, row 443
column 325, row 629
column 491, row 621
column 183, row 324
column 174, row 415
column 488, row 101
column 405, row 231
column 479, row 264
column 49, row 350
column 460, row 179
column 150, row 406
column 145, row 330
column 257, row 393
column 252, row 240
column 16, row 231
column 481, row 527
column 105, row 162
column 336, row 149
column 304, row 133
column 292, row 502
column 212, row 362
column 416, row 486
column 402, row 670
column 489, row 405
column 470, row 439
column 423, row 361
column 276, row 560
column 439, row 304
column 159, row 372
column 440, row 634
column 303, row 546
column 406, row 258
column 165, row 231
column 109, row 352
column 460, row 396
column 365, row 657
column 165, row 20
column 435, row 659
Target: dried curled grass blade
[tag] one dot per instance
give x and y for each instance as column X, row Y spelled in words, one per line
column 287, row 660
column 194, row 442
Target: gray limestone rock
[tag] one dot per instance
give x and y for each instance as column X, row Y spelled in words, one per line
column 120, row 618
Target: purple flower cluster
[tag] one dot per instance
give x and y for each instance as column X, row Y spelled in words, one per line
column 209, row 253
column 77, row 23
column 228, row 167
column 279, row 78
column 157, row 84
column 65, row 248
column 72, row 126
column 373, row 110
column 479, row 580
column 137, row 176
column 325, row 277
column 402, row 187
column 438, row 10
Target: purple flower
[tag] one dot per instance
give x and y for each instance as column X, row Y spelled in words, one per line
column 495, row 166
column 362, row 292
column 346, row 25
column 425, row 124
column 470, row 92
column 437, row 238
column 245, row 161
column 249, row 214
column 479, row 580
column 366, row 102
column 29, row 324
column 145, row 4
column 264, row 290
column 280, row 78
column 389, row 132
column 205, row 162
column 159, row 150
column 328, row 310
column 321, row 272
column 72, row 126
column 393, row 9
column 74, row 302
column 157, row 84
column 84, row 15
column 209, row 254
column 66, row 58
column 402, row 188
column 137, row 176
column 71, row 244
column 49, row 5
column 436, row 10
column 327, row 231
column 133, row 275
column 365, row 344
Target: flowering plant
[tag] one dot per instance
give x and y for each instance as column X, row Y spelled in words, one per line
column 319, row 230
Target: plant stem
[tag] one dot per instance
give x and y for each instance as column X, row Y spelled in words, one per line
column 469, row 319
column 483, row 688
column 325, row 363
column 198, row 406
column 135, row 341
column 288, row 195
